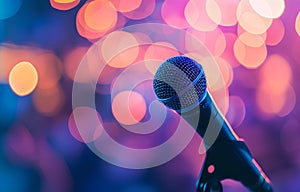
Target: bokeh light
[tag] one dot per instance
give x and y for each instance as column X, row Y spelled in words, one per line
column 241, row 30
column 236, row 112
column 226, row 70
column 83, row 29
column 222, row 12
column 64, row 1
column 196, row 15
column 276, row 73
column 96, row 14
column 72, row 60
column 297, row 24
column 91, row 34
column 120, row 49
column 252, row 40
column 136, row 78
column 221, row 97
column 90, row 72
column 107, row 76
column 64, row 4
column 228, row 53
column 49, row 68
column 85, row 128
column 290, row 102
column 23, row 78
column 269, row 103
column 173, row 13
column 249, row 57
column 275, row 33
column 158, row 51
column 142, row 38
column 126, row 6
column 9, row 9
column 96, row 69
column 268, row 8
column 129, row 107
column 250, row 20
column 49, row 101
column 275, row 94
column 193, row 46
column 11, row 55
column 46, row 63
column 213, row 40
column 272, row 102
column 144, row 10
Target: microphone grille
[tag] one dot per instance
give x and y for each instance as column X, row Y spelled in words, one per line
column 180, row 83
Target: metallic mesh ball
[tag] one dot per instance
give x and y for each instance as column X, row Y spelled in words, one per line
column 180, row 83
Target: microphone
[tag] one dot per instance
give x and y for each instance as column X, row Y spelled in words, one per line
column 180, row 84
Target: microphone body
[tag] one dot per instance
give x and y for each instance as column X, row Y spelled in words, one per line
column 180, row 84
column 206, row 113
column 227, row 154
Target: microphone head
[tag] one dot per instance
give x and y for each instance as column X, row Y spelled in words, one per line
column 180, row 83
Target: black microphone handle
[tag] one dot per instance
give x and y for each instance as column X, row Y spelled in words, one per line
column 228, row 154
column 207, row 115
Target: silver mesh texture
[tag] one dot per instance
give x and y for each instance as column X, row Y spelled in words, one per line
column 180, row 83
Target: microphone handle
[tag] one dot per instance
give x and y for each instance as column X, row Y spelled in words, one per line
column 207, row 120
column 226, row 152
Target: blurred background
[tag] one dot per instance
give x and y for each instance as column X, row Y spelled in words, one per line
column 256, row 48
